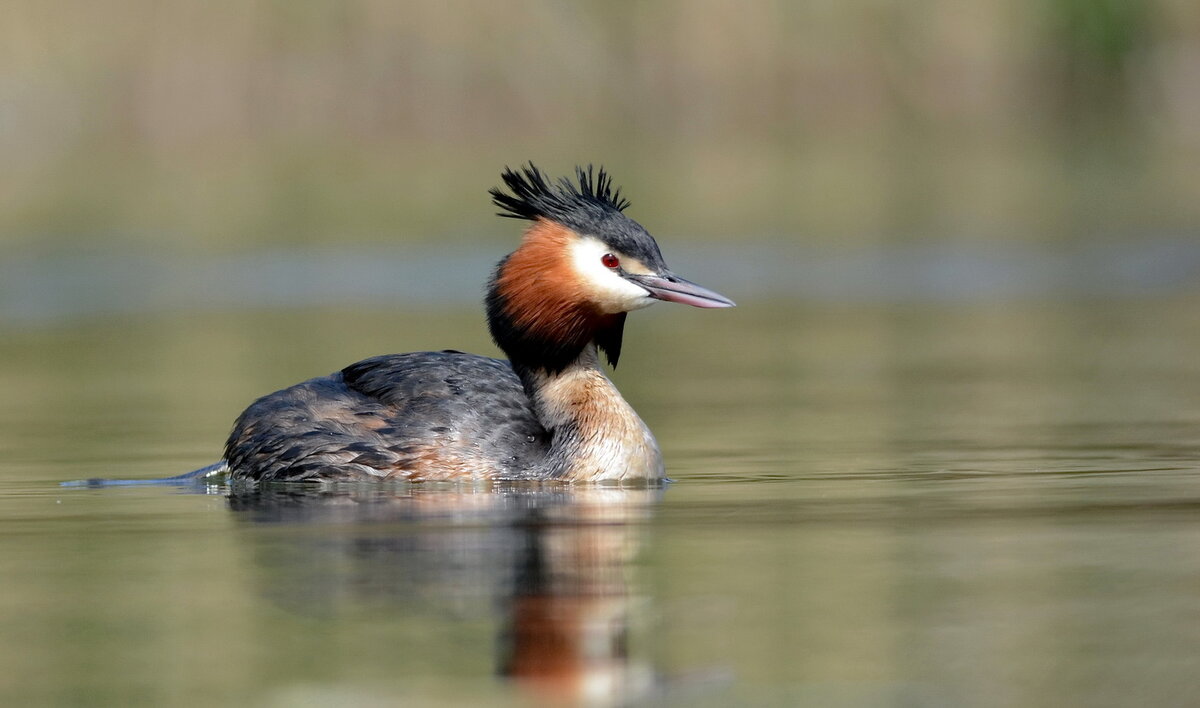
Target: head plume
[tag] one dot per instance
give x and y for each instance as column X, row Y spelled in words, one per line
column 591, row 197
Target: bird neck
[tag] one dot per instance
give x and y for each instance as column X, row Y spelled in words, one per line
column 595, row 434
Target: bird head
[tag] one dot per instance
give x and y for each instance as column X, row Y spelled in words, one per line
column 581, row 266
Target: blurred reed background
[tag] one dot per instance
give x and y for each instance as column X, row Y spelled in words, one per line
column 944, row 449
column 184, row 127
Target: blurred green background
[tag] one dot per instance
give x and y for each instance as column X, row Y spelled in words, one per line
column 221, row 126
column 946, row 446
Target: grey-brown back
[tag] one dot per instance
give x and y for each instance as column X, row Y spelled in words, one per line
column 423, row 415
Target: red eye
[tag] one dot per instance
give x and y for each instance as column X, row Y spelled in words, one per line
column 610, row 261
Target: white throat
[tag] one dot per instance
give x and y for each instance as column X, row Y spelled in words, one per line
column 597, row 434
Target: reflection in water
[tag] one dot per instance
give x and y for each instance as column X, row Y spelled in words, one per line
column 553, row 564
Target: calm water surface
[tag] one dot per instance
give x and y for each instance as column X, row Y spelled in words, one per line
column 949, row 505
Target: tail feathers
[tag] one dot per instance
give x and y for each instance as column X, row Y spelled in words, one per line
column 201, row 476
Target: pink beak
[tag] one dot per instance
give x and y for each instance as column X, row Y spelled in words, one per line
column 672, row 288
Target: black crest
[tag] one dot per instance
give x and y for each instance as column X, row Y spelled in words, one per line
column 534, row 196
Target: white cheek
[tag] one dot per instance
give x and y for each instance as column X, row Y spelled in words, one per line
column 604, row 287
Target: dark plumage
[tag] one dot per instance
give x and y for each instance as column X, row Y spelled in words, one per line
column 389, row 414
column 533, row 197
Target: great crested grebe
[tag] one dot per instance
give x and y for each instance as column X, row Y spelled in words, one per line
column 548, row 413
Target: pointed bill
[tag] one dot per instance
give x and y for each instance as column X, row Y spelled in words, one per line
column 672, row 288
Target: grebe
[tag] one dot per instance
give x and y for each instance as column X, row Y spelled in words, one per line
column 548, row 413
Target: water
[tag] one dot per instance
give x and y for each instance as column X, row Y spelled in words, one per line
column 966, row 502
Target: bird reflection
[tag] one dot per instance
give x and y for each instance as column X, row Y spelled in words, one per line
column 553, row 563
